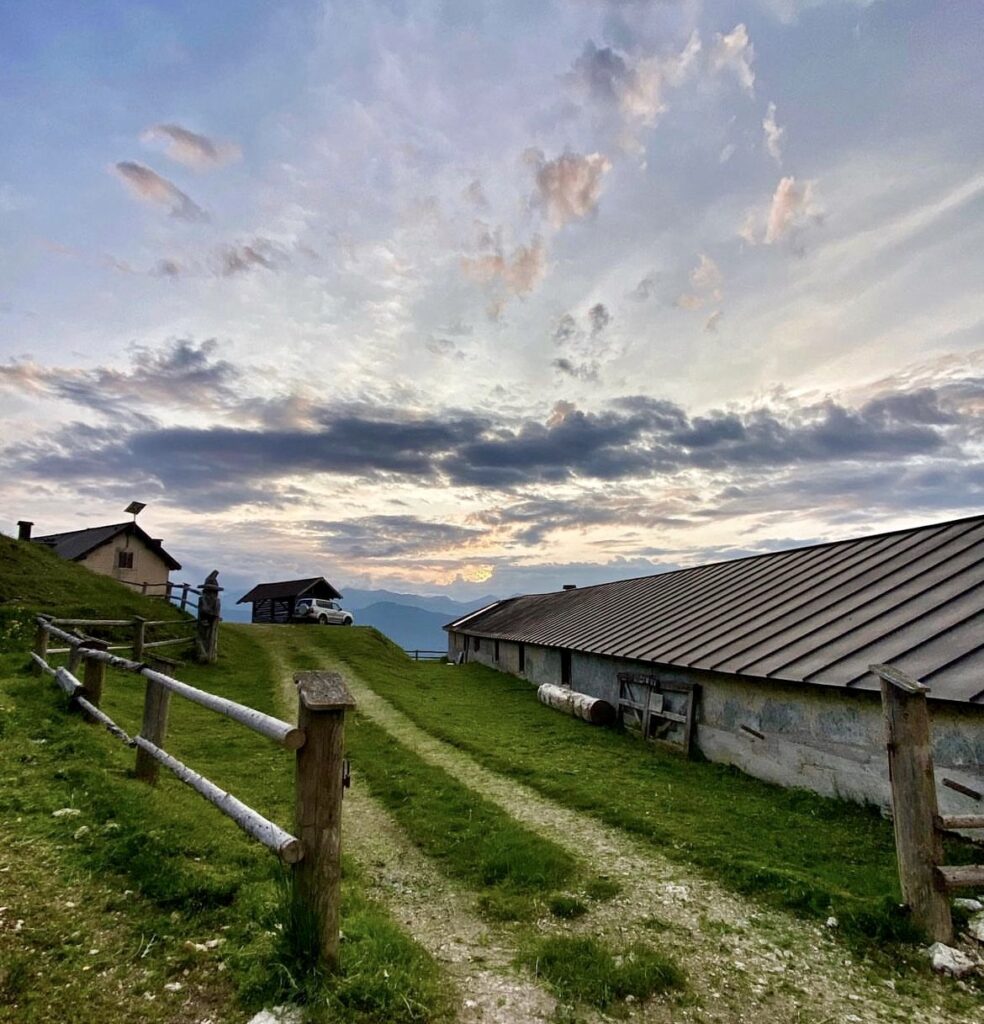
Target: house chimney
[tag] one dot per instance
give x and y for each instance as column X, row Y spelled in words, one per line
column 570, row 586
column 24, row 529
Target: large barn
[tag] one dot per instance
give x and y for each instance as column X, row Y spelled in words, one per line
column 763, row 662
column 275, row 602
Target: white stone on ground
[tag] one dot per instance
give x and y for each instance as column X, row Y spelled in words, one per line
column 948, row 960
column 278, row 1015
column 976, row 927
column 967, row 904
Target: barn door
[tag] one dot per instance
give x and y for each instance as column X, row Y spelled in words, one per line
column 658, row 710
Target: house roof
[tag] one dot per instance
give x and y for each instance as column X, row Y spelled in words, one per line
column 76, row 544
column 316, row 586
column 821, row 614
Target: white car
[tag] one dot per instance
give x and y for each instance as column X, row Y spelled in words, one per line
column 324, row 613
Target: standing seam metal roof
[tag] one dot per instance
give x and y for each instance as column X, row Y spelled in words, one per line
column 819, row 614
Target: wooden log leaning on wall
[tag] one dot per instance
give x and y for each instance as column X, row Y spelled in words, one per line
column 580, row 705
column 918, row 842
column 323, row 699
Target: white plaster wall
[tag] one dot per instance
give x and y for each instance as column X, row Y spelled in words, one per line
column 820, row 738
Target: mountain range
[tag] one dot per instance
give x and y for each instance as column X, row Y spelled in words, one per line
column 413, row 621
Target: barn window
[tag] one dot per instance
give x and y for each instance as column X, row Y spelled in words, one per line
column 496, row 650
column 124, row 559
column 565, row 668
column 522, row 658
column 476, row 643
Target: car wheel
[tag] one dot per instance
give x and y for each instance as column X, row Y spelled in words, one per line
column 322, row 620
column 346, row 622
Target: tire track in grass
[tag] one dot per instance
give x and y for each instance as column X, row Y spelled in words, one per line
column 751, row 964
column 478, row 960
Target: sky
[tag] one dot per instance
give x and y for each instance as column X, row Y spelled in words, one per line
column 489, row 297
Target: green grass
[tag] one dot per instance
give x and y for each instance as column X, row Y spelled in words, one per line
column 583, row 969
column 191, row 873
column 468, row 837
column 788, row 848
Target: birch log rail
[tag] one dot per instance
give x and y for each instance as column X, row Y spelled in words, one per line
column 323, row 699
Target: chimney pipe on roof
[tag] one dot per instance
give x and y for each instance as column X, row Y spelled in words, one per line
column 570, row 586
column 24, row 529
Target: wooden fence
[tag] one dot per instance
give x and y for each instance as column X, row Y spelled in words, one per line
column 318, row 741
column 182, row 595
column 425, row 655
column 925, row 880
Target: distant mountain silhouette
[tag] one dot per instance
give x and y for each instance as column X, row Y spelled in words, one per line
column 410, row 627
column 355, row 599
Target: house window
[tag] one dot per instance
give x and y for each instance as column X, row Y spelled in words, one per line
column 476, row 643
column 124, row 559
column 565, row 668
column 496, row 650
column 522, row 658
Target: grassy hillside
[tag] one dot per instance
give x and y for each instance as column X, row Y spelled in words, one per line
column 34, row 579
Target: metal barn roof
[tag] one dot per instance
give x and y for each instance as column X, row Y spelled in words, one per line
column 77, row 544
column 315, row 586
column 821, row 615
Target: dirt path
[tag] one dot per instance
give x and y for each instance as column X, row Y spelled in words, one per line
column 437, row 915
column 747, row 964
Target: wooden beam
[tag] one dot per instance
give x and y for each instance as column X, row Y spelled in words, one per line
column 95, row 673
column 952, row 821
column 962, row 876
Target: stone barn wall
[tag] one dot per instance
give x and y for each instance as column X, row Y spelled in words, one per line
column 825, row 739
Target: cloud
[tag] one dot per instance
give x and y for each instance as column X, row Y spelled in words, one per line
column 186, row 147
column 392, row 536
column 241, row 257
column 599, row 317
column 150, row 187
column 792, row 205
column 577, row 371
column 734, row 53
column 444, row 347
column 566, row 329
column 474, row 193
column 519, row 273
column 569, row 187
column 727, row 152
column 773, row 134
column 706, row 280
column 179, row 374
column 632, row 88
column 647, row 288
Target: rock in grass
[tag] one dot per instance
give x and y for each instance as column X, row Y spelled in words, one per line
column 278, row 1015
column 976, row 927
column 967, row 904
column 948, row 960
column 66, row 812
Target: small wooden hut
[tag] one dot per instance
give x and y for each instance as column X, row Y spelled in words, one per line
column 275, row 602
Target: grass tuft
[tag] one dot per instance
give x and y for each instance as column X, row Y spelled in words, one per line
column 567, row 907
column 583, row 969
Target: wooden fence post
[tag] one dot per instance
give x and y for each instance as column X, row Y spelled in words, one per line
column 918, row 843
column 157, row 701
column 184, row 596
column 75, row 655
column 323, row 699
column 209, row 607
column 40, row 647
column 95, row 672
column 139, row 636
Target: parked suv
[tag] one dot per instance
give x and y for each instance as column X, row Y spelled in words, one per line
column 325, row 613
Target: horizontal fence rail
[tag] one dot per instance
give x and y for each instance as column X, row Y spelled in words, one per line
column 286, row 735
column 419, row 655
column 323, row 699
